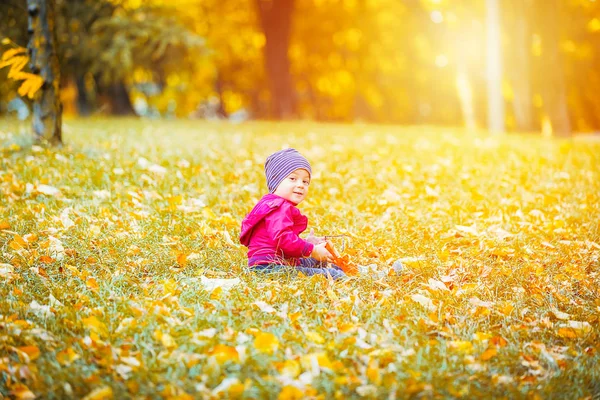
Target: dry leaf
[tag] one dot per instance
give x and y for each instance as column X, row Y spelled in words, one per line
column 101, row 393
column 95, row 325
column 489, row 353
column 424, row 301
column 266, row 342
column 264, row 306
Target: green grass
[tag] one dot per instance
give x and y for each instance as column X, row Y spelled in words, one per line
column 500, row 236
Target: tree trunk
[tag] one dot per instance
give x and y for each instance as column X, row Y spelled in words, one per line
column 84, row 105
column 521, row 66
column 115, row 98
column 554, row 91
column 120, row 102
column 494, row 68
column 275, row 17
column 47, row 108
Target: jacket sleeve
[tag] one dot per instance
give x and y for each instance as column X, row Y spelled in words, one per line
column 280, row 225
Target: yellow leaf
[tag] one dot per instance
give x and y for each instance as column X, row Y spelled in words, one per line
column 102, row 393
column 315, row 337
column 290, row 392
column 165, row 339
column 24, row 88
column 18, row 243
column 236, row 390
column 216, row 294
column 32, row 351
column 223, row 353
column 574, row 329
column 12, row 52
column 332, row 296
column 462, row 346
column 36, row 84
column 67, row 356
column 346, row 327
column 489, row 353
column 321, row 359
column 91, row 284
column 291, row 368
column 498, row 341
column 506, row 309
column 182, row 259
column 95, row 325
column 373, row 371
column 266, row 342
column 17, row 65
column 175, row 200
column 294, row 316
column 21, row 392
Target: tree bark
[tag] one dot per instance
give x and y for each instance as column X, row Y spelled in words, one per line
column 115, row 98
column 84, row 105
column 554, row 91
column 494, row 68
column 47, row 108
column 275, row 18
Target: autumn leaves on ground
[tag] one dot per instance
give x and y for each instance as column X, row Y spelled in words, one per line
column 109, row 248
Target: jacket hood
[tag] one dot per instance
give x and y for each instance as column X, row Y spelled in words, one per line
column 264, row 207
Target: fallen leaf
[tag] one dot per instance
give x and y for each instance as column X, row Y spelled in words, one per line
column 264, row 307
column 314, row 337
column 489, row 353
column 471, row 230
column 424, row 301
column 33, row 352
column 290, row 392
column 67, row 356
column 166, row 339
column 224, row 353
column 95, row 325
column 225, row 284
column 6, row 270
column 266, row 342
column 434, row 285
column 21, row 392
column 560, row 315
column 101, row 393
column 47, row 190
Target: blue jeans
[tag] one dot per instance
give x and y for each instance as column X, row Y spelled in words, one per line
column 308, row 266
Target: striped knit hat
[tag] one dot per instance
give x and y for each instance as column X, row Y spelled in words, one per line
column 282, row 163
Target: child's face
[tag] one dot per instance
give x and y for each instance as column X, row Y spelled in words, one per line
column 295, row 186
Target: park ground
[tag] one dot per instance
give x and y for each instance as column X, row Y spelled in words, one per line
column 121, row 274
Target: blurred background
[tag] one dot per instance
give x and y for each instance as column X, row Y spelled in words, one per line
column 514, row 65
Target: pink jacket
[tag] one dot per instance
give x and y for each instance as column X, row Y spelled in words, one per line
column 270, row 231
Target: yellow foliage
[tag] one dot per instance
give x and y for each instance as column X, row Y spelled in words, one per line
column 31, row 82
column 290, row 393
column 95, row 325
column 266, row 342
column 151, row 294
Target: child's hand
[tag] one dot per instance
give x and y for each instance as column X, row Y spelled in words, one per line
column 320, row 253
column 311, row 238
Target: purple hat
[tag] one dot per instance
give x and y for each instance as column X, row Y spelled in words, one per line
column 282, row 163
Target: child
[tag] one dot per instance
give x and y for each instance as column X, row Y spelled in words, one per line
column 271, row 229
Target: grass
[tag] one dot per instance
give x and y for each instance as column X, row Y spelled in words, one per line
column 104, row 245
